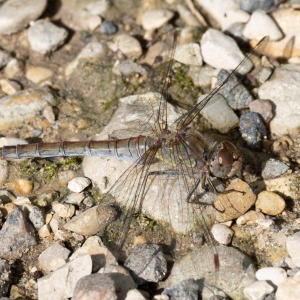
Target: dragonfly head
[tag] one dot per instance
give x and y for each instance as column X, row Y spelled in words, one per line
column 225, row 160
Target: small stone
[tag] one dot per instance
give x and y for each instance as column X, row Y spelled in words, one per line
column 187, row 16
column 219, row 114
column 188, row 54
column 253, row 5
column 45, row 37
column 288, row 290
column 221, row 51
column 264, row 74
column 60, row 234
column 44, row 231
column 100, row 255
column 30, row 102
column 222, row 233
column 264, row 108
column 273, row 274
column 4, row 58
column 154, row 19
column 49, row 115
column 147, row 263
column 21, row 186
column 38, row 74
column 293, row 246
column 258, row 290
column 65, row 176
column 5, row 278
column 17, row 235
column 253, row 130
column 202, row 76
column 9, row 87
column 261, row 25
column 3, row 172
column 61, row 283
column 108, row 27
column 53, row 257
column 186, row 289
column 270, row 203
column 93, row 220
column 128, row 67
column 250, row 217
column 96, row 286
column 234, row 204
column 16, row 14
column 63, row 210
column 13, row 69
column 128, row 45
column 273, row 168
column 235, row 93
column 78, row 184
column 74, row 198
column 37, row 218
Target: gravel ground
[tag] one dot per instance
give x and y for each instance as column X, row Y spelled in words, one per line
column 82, row 70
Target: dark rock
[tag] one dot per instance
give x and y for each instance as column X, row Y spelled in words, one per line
column 253, row 130
column 37, row 217
column 252, row 5
column 108, row 27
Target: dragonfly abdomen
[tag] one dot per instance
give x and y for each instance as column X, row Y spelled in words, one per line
column 130, row 148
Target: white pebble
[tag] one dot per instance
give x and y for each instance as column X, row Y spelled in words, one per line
column 222, row 233
column 273, row 274
column 63, row 210
column 45, row 37
column 128, row 45
column 261, row 25
column 221, row 51
column 9, row 87
column 258, row 290
column 293, row 248
column 153, row 19
column 78, row 184
column 288, row 290
column 188, row 54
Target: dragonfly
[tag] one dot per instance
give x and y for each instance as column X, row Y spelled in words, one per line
column 174, row 150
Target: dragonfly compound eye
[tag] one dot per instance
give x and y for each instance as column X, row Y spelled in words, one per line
column 225, row 160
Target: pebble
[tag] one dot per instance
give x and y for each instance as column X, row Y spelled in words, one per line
column 5, row 278
column 261, row 25
column 54, row 257
column 293, row 246
column 61, row 283
column 273, row 274
column 202, row 76
column 186, row 289
column 13, row 69
column 235, row 93
column 187, row 16
column 222, row 234
column 108, row 27
column 270, row 203
column 188, row 54
column 232, row 205
column 63, row 210
column 74, row 198
column 55, row 225
column 45, row 37
column 30, row 102
column 44, row 231
column 21, row 186
column 92, row 220
column 37, row 218
column 221, row 51
column 287, row 117
column 199, row 264
column 17, row 235
column 147, row 263
column 225, row 13
column 273, row 168
column 258, row 290
column 101, row 256
column 264, row 74
column 96, row 286
column 38, row 74
column 154, row 19
column 253, row 130
column 253, row 5
column 3, row 172
column 250, row 217
column 16, row 14
column 4, row 58
column 9, row 87
column 288, row 290
column 219, row 114
column 264, row 108
column 92, row 50
column 128, row 67
column 78, row 184
column 128, row 45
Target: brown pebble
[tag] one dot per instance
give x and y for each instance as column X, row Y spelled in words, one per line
column 21, row 186
column 270, row 203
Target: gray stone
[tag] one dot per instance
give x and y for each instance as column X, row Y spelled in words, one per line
column 108, row 27
column 17, row 235
column 147, row 263
column 258, row 290
column 45, row 37
column 187, row 289
column 16, row 14
column 252, row 5
column 37, row 218
column 273, row 168
column 5, row 277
